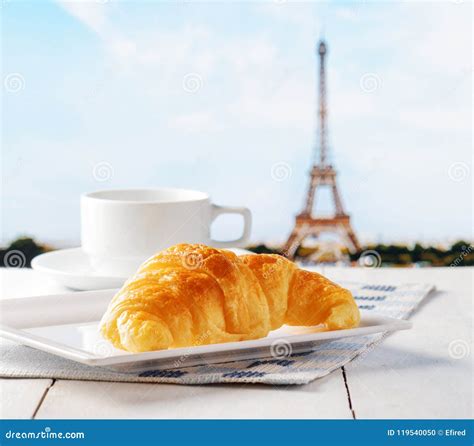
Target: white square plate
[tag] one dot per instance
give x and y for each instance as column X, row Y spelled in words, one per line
column 66, row 325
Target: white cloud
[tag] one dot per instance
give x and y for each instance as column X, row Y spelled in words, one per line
column 348, row 13
column 92, row 14
column 194, row 122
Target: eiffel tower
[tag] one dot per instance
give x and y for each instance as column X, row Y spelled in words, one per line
column 322, row 175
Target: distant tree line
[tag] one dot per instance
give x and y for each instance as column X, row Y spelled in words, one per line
column 21, row 252
column 460, row 253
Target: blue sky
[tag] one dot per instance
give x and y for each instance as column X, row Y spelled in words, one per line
column 215, row 96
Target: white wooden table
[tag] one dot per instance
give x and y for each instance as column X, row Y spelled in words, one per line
column 412, row 374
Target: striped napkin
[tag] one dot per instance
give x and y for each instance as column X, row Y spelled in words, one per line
column 284, row 367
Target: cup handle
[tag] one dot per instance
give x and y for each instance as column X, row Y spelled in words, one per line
column 218, row 210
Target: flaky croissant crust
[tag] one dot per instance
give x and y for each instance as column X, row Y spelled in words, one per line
column 190, row 295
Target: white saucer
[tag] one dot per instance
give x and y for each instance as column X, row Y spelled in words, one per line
column 72, row 269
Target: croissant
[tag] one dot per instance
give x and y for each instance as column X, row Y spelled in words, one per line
column 190, row 295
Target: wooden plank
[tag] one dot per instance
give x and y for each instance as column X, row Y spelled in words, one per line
column 425, row 372
column 21, row 397
column 324, row 398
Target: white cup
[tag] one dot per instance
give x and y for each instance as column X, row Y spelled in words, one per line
column 122, row 228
